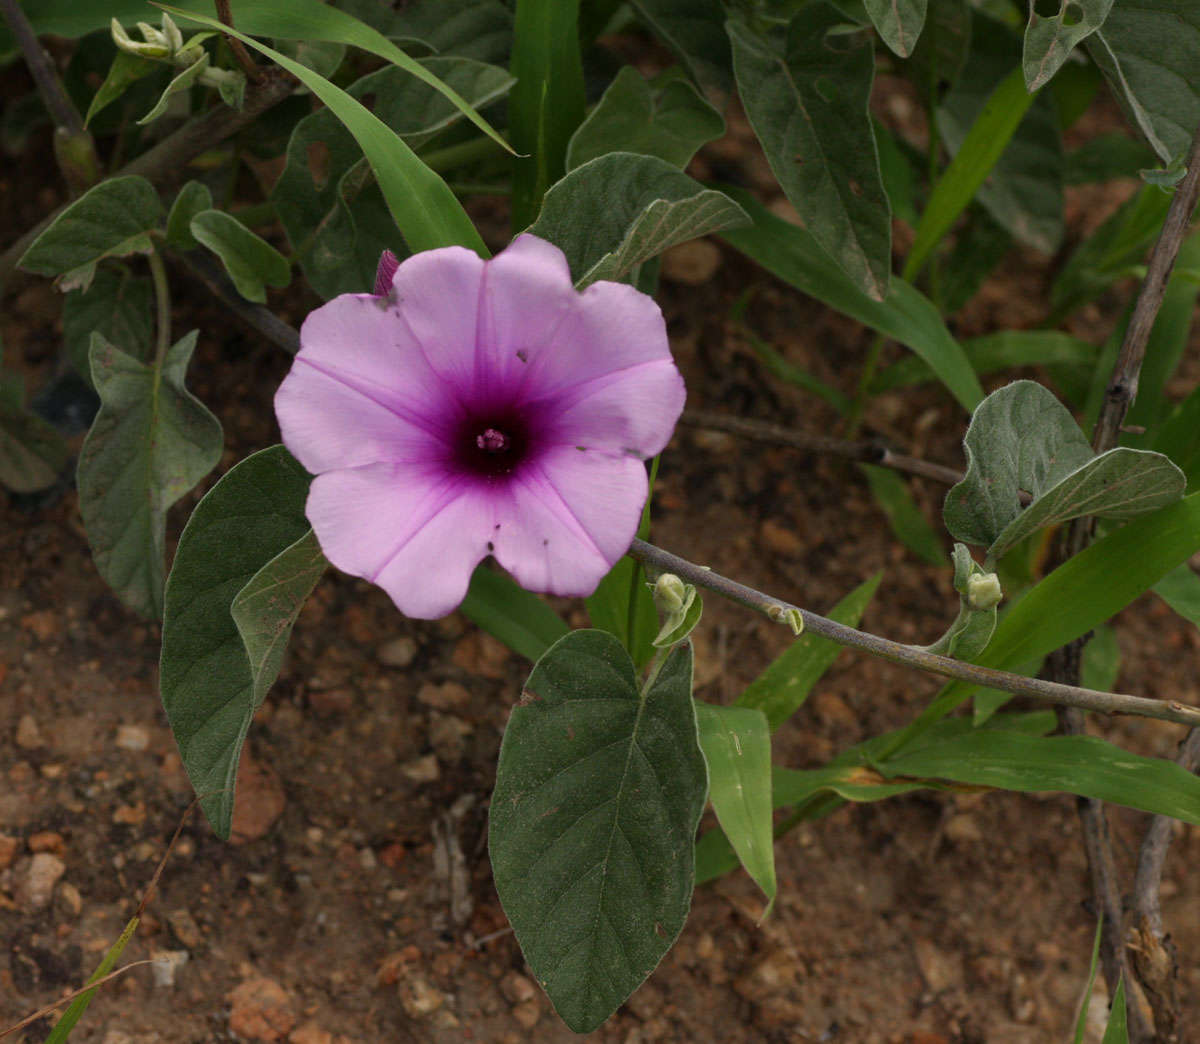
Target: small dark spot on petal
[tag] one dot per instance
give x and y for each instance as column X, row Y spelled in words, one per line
column 497, row 525
column 491, row 546
column 545, row 543
column 522, row 355
column 582, row 449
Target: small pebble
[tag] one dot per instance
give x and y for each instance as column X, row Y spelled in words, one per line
column 29, row 736
column 166, row 964
column 422, row 770
column 398, row 652
column 36, row 878
column 133, row 737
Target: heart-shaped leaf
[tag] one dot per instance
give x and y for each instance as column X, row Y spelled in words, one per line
column 598, row 794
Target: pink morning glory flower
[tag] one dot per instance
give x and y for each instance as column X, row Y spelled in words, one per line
column 479, row 408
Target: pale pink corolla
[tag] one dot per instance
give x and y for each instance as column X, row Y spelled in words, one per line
column 479, row 408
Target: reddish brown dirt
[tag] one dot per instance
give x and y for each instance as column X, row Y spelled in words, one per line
column 927, row 919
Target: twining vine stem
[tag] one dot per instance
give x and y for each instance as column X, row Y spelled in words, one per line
column 54, row 96
column 660, row 561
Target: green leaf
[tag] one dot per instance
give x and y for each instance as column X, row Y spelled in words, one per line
column 253, row 514
column 669, row 120
column 1022, row 438
column 193, row 199
column 623, row 606
column 427, row 213
column 151, row 442
column 248, row 258
column 899, row 22
column 977, row 154
column 1106, row 157
column 1050, row 39
column 32, row 453
column 1081, row 765
column 1117, row 1030
column 807, row 101
column 480, row 29
column 620, row 210
column 1101, row 660
column 1179, row 438
column 181, row 82
column 941, row 51
column 599, row 790
column 737, row 746
column 907, row 521
column 125, row 71
column 781, row 689
column 1110, row 253
column 789, row 252
column 265, row 609
column 1180, row 589
column 119, row 306
column 1149, row 51
column 1081, row 594
column 1081, row 1021
column 312, row 20
column 62, row 1028
column 695, row 31
column 677, row 627
column 113, row 219
column 995, row 352
column 547, row 104
column 518, row 618
column 1023, row 191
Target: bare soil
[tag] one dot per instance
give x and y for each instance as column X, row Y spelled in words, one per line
column 357, row 905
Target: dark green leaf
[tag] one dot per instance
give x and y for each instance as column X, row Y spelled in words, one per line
column 180, row 83
column 422, row 205
column 480, row 29
column 1149, row 51
column 1179, row 438
column 125, row 71
column 32, row 453
column 248, row 258
column 979, row 150
column 941, row 51
column 1101, row 659
column 908, row 523
column 789, row 252
column 192, row 199
column 518, row 618
column 1180, row 589
column 547, row 103
column 265, row 609
column 119, row 306
column 993, row 353
column 1049, row 39
column 695, row 31
column 899, row 22
column 1106, row 157
column 1022, row 438
column 781, row 689
column 807, row 102
column 599, row 790
column 669, row 120
column 111, row 220
column 623, row 606
column 620, row 210
column 1081, row 765
column 737, row 746
column 253, row 514
column 1023, row 191
column 1117, row 1030
column 151, row 442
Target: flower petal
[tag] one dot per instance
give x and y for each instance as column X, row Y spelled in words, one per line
column 435, row 296
column 328, row 424
column 408, row 529
column 568, row 520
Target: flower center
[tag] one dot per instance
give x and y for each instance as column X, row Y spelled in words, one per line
column 492, row 445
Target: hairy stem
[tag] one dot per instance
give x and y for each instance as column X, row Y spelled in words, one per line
column 238, row 49
column 661, row 561
column 58, row 103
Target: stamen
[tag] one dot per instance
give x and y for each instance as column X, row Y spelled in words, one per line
column 492, row 441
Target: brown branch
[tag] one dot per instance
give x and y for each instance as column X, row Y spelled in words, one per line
column 864, row 452
column 660, row 561
column 50, row 1009
column 249, row 66
column 1064, row 665
column 174, row 151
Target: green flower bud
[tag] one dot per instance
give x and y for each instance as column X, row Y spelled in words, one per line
column 983, row 591
column 671, row 595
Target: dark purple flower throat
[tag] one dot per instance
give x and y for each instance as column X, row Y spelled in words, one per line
column 492, row 443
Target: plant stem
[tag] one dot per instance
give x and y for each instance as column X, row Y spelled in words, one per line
column 1064, row 664
column 865, row 452
column 909, row 655
column 162, row 308
column 58, row 103
column 238, row 49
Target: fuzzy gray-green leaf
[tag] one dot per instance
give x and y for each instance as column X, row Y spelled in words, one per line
column 151, row 442
column 248, row 258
